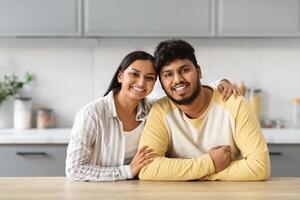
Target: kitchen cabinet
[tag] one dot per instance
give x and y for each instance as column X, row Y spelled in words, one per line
column 32, row 159
column 149, row 18
column 285, row 159
column 156, row 18
column 40, row 18
column 258, row 18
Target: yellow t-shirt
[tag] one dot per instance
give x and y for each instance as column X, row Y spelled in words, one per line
column 182, row 144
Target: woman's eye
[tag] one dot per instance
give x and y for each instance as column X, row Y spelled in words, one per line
column 134, row 74
column 150, row 78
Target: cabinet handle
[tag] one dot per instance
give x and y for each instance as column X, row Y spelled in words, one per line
column 275, row 153
column 32, row 153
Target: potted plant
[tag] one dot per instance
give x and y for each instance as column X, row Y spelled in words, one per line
column 9, row 87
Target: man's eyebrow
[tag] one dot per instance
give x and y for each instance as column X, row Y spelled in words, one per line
column 166, row 71
column 182, row 66
column 185, row 65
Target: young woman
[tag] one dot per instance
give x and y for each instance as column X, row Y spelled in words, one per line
column 106, row 132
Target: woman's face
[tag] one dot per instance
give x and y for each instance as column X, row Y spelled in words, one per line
column 138, row 79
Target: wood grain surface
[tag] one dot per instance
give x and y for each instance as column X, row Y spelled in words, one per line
column 46, row 188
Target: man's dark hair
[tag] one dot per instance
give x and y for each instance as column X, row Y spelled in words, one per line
column 170, row 50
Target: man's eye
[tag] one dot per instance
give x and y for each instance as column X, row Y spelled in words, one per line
column 185, row 70
column 168, row 75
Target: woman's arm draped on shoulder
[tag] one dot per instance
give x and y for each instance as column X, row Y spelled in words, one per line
column 227, row 89
column 215, row 84
column 81, row 149
column 155, row 135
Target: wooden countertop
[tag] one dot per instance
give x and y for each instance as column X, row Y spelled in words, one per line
column 57, row 188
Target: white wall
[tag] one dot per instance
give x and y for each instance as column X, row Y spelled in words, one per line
column 71, row 72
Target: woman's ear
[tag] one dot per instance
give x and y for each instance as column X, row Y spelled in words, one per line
column 120, row 76
column 199, row 71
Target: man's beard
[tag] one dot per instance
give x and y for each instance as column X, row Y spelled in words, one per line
column 188, row 100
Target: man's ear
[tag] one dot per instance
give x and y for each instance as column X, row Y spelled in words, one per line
column 199, row 71
column 120, row 76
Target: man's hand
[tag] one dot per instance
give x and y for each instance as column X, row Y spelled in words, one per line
column 143, row 157
column 220, row 156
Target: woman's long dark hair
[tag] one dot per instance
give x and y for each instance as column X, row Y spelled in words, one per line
column 126, row 62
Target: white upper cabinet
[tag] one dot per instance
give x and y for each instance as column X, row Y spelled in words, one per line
column 40, row 18
column 258, row 18
column 153, row 18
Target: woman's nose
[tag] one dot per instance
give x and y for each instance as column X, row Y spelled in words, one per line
column 141, row 82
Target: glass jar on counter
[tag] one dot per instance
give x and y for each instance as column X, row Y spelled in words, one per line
column 44, row 118
column 255, row 100
column 295, row 121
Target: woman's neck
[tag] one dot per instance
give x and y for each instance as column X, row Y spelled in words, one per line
column 125, row 104
column 126, row 109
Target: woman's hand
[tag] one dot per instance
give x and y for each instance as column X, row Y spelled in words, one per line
column 227, row 89
column 143, row 157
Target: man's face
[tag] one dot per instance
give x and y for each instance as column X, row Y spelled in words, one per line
column 180, row 81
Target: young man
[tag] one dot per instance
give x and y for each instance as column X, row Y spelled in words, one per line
column 195, row 134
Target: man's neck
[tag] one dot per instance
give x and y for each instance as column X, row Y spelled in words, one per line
column 199, row 105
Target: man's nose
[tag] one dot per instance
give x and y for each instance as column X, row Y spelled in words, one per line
column 178, row 77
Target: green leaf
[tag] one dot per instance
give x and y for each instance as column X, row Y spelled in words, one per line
column 11, row 85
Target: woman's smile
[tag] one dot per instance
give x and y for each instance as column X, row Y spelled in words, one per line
column 138, row 90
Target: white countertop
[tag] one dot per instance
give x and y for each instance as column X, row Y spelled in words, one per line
column 282, row 136
column 35, row 136
column 62, row 135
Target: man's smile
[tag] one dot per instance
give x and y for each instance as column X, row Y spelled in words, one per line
column 181, row 88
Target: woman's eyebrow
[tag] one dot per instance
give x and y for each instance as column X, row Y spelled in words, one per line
column 136, row 70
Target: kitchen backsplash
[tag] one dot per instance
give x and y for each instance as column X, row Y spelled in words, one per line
column 71, row 72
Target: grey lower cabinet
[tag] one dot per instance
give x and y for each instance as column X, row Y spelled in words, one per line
column 32, row 160
column 155, row 18
column 258, row 18
column 40, row 18
column 285, row 159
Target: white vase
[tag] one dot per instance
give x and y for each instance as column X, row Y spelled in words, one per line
column 6, row 114
column 22, row 113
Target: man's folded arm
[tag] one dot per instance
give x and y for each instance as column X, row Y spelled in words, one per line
column 255, row 162
column 155, row 136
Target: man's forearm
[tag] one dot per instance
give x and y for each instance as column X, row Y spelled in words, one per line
column 254, row 168
column 171, row 169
